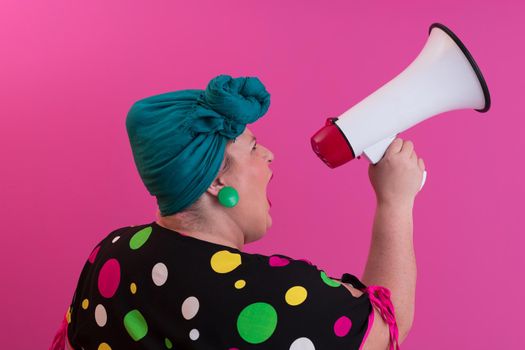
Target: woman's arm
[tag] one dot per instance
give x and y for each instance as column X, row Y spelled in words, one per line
column 391, row 264
column 391, row 260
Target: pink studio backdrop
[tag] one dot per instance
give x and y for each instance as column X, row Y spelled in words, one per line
column 70, row 72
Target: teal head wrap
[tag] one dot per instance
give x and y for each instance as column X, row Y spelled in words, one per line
column 178, row 139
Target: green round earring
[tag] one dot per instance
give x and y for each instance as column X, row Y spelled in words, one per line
column 228, row 196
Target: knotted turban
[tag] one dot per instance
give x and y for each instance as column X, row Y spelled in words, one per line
column 178, row 138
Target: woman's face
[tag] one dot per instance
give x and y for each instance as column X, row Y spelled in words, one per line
column 250, row 175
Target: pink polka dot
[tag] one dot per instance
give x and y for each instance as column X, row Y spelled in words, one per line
column 342, row 326
column 109, row 278
column 278, row 261
column 306, row 260
column 93, row 254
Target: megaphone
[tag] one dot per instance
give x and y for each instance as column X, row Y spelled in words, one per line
column 443, row 77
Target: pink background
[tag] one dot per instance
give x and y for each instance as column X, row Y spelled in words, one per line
column 70, row 72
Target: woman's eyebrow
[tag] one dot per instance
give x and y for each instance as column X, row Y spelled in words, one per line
column 254, row 139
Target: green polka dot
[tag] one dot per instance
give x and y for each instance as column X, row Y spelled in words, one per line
column 140, row 238
column 135, row 325
column 168, row 343
column 257, row 322
column 328, row 280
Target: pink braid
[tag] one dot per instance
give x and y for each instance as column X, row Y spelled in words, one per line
column 59, row 341
column 380, row 297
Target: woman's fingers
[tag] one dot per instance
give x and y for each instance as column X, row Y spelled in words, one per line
column 395, row 146
column 408, row 147
column 413, row 156
column 421, row 164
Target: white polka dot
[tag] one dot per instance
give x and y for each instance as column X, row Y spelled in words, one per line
column 190, row 307
column 115, row 239
column 302, row 344
column 194, row 334
column 159, row 274
column 100, row 315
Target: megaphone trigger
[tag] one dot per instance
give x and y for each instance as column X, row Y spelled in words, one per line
column 424, row 179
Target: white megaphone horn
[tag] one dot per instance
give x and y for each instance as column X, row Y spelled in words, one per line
column 443, row 77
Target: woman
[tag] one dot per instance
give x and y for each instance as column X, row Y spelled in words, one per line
column 183, row 282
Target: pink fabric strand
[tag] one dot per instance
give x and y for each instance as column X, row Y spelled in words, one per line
column 59, row 341
column 380, row 297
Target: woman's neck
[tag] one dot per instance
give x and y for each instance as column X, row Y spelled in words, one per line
column 224, row 232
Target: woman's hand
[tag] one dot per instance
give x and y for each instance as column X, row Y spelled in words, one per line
column 397, row 176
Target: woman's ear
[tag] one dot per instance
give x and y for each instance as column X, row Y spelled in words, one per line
column 216, row 186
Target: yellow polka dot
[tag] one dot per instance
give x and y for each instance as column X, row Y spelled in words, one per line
column 296, row 295
column 68, row 315
column 133, row 288
column 240, row 284
column 223, row 261
column 85, row 304
column 104, row 346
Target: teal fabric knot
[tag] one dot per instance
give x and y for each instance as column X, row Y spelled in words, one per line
column 228, row 104
column 178, row 138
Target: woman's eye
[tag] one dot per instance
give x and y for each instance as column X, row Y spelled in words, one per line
column 254, row 146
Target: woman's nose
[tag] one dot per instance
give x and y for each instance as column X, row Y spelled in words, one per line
column 268, row 154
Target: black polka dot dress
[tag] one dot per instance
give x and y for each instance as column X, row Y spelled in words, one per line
column 149, row 287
